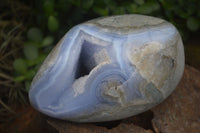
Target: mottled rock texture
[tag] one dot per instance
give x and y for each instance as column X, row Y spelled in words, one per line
column 179, row 113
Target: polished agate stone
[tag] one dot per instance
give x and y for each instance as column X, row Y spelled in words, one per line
column 109, row 68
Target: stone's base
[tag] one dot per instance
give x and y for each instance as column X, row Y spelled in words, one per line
column 178, row 113
column 181, row 111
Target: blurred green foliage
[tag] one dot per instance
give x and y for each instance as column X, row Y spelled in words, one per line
column 51, row 19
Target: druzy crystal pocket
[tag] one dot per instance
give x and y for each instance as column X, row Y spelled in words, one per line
column 109, row 68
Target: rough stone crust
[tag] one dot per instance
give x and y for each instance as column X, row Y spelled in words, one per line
column 178, row 114
column 125, row 24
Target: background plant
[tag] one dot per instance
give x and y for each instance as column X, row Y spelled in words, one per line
column 49, row 20
column 54, row 18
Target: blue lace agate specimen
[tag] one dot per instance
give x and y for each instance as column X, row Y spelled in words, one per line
column 109, row 68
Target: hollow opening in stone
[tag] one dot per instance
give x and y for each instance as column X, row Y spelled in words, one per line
column 86, row 61
column 81, row 68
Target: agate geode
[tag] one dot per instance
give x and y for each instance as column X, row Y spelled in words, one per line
column 109, row 68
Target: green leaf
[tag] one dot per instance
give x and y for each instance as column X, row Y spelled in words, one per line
column 30, row 74
column 47, row 41
column 193, row 24
column 20, row 65
column 75, row 2
column 19, row 79
column 198, row 13
column 41, row 58
column 132, row 8
column 34, row 34
column 49, row 7
column 53, row 23
column 30, row 51
column 101, row 11
column 139, row 2
column 148, row 7
column 118, row 10
column 27, row 86
column 32, row 43
column 86, row 4
column 31, row 63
